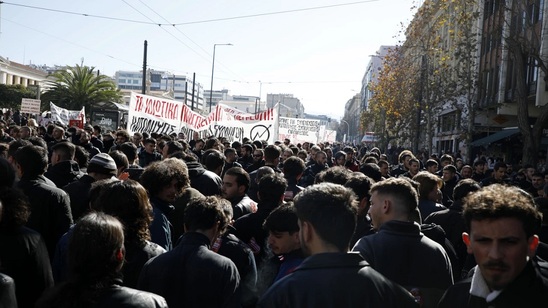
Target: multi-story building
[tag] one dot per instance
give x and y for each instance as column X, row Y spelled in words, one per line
column 352, row 120
column 161, row 83
column 371, row 75
column 289, row 106
column 247, row 104
column 212, row 98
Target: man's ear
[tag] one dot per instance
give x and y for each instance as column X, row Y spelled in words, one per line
column 466, row 240
column 306, row 231
column 532, row 245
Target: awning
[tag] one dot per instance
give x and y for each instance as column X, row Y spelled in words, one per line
column 495, row 137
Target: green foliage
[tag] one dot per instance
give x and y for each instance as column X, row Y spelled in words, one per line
column 11, row 95
column 80, row 86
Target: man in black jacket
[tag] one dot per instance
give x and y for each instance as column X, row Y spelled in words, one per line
column 391, row 205
column 249, row 228
column 191, row 275
column 50, row 214
column 502, row 222
column 235, row 185
column 63, row 169
column 330, row 276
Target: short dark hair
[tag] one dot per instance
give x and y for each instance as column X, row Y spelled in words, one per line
column 360, row 185
column 464, row 187
column 149, row 140
column 498, row 201
column 331, row 209
column 371, row 170
column 431, row 162
column 450, row 168
column 33, row 159
column 64, row 149
column 499, row 165
column 427, row 182
column 242, row 177
column 337, row 174
column 293, row 167
column 282, row 219
column 272, row 152
column 130, row 150
column 400, row 189
column 213, row 159
column 173, row 147
column 120, row 159
column 447, row 157
column 272, row 188
column 204, row 213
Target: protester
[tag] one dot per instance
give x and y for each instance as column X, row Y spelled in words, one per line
column 95, row 257
column 501, row 223
column 191, row 275
column 329, row 276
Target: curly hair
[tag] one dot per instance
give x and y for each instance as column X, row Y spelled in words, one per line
column 498, row 201
column 127, row 201
column 15, row 208
column 161, row 173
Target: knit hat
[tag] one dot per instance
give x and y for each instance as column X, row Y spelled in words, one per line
column 102, row 163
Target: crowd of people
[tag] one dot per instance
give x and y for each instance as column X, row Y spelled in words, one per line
column 108, row 219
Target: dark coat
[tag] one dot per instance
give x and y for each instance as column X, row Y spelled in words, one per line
column 242, row 206
column 529, row 289
column 191, row 275
column 24, row 257
column 78, row 192
column 161, row 228
column 310, row 174
column 146, row 158
column 230, row 246
column 64, row 173
column 205, row 181
column 404, row 255
column 453, row 224
column 336, row 280
column 249, row 228
column 113, row 296
column 7, row 291
column 176, row 217
column 50, row 209
column 135, row 258
column 427, row 207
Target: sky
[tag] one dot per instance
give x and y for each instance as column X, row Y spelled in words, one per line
column 316, row 50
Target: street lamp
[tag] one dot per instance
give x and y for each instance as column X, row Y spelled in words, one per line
column 213, row 71
column 347, row 129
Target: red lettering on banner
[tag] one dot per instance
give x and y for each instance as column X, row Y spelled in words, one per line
column 138, row 103
column 161, row 109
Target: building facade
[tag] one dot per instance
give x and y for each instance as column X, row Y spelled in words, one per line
column 13, row 73
column 162, row 83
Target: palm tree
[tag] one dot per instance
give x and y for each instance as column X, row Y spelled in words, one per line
column 79, row 86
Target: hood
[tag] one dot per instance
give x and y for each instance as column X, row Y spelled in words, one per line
column 195, row 169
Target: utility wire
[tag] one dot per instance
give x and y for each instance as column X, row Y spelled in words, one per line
column 189, row 22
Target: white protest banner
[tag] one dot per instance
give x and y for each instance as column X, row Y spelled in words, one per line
column 328, row 135
column 234, row 123
column 30, row 106
column 299, row 130
column 64, row 116
column 164, row 116
column 153, row 114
